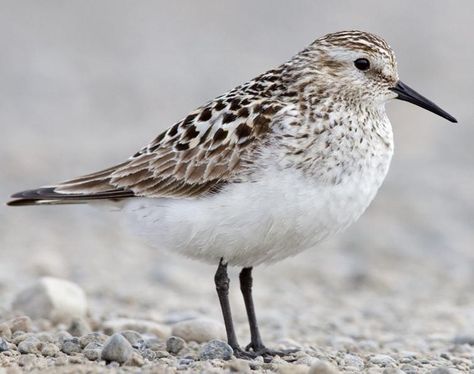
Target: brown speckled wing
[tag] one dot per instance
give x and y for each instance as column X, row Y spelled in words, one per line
column 210, row 147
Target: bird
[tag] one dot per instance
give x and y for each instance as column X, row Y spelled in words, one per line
column 264, row 171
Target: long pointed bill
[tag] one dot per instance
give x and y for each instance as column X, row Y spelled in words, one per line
column 405, row 93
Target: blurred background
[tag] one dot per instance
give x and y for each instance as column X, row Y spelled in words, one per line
column 84, row 84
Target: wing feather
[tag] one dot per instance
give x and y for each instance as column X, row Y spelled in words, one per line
column 210, row 147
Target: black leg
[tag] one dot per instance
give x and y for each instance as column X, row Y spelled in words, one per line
column 246, row 287
column 256, row 343
column 222, row 286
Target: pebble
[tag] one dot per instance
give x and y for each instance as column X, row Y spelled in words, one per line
column 46, row 337
column 61, row 360
column 382, row 360
column 29, row 345
column 135, row 360
column 174, row 344
column 22, row 323
column 353, row 361
column 151, row 355
column 76, row 359
column 139, row 325
column 93, row 337
column 49, row 350
column 79, row 327
column 216, row 349
column 71, row 345
column 323, row 367
column 19, row 336
column 134, row 338
column 200, row 330
column 54, row 299
column 3, row 345
column 63, row 335
column 93, row 351
column 117, row 349
column 184, row 363
column 409, row 369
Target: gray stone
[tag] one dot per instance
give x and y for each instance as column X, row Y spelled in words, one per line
column 46, row 337
column 62, row 336
column 29, row 345
column 117, row 349
column 96, row 337
column 3, row 345
column 49, row 350
column 441, row 371
column 54, row 299
column 71, row 345
column 174, row 344
column 184, row 363
column 93, row 351
column 79, row 327
column 151, row 355
column 216, row 349
column 134, row 338
column 200, row 330
column 353, row 361
column 19, row 336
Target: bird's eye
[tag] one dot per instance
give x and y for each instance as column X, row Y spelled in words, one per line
column 362, row 64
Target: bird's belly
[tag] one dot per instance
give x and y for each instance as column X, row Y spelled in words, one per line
column 252, row 223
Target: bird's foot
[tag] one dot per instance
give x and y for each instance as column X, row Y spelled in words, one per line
column 267, row 353
column 243, row 354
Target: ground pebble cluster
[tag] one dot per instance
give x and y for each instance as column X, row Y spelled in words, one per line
column 65, row 336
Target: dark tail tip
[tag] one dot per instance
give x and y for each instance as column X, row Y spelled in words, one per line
column 31, row 197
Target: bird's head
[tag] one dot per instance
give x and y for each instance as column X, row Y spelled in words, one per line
column 361, row 67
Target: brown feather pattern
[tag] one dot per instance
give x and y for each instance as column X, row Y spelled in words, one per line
column 196, row 156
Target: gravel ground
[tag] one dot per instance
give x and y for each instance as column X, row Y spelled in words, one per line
column 393, row 294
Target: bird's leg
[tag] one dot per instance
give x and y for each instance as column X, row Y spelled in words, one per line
column 222, row 286
column 246, row 287
column 256, row 343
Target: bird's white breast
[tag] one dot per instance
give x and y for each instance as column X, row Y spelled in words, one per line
column 278, row 215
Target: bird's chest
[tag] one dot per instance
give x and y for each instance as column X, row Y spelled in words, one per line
column 340, row 166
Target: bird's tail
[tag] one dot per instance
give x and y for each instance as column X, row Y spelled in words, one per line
column 84, row 189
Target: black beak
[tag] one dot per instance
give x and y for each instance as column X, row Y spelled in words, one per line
column 405, row 93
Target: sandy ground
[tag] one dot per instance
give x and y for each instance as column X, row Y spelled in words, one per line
column 83, row 87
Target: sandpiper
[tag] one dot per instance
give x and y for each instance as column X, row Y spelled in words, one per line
column 264, row 171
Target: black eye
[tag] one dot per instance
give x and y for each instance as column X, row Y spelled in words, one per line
column 362, row 64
